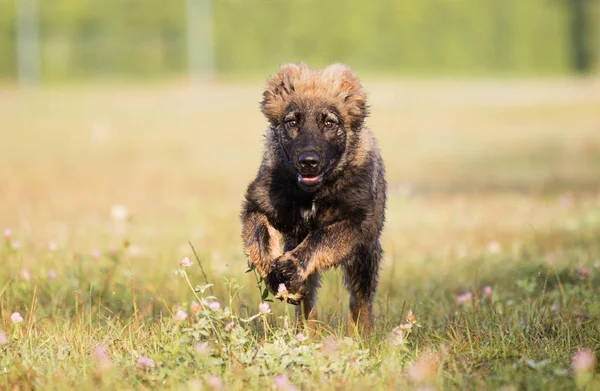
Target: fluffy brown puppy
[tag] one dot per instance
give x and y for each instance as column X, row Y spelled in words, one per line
column 318, row 200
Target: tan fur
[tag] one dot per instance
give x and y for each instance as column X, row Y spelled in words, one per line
column 307, row 309
column 335, row 85
column 365, row 147
column 275, row 241
column 361, row 319
column 321, row 259
column 252, row 252
column 338, row 242
column 261, row 258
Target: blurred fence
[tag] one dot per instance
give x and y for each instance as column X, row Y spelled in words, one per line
column 148, row 38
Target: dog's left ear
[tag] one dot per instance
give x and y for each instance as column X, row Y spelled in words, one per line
column 351, row 93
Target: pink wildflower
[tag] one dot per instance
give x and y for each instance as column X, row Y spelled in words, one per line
column 144, row 362
column 583, row 273
column 7, row 233
column 565, row 200
column 185, row 263
column 214, row 382
column 180, row 316
column 100, row 353
column 281, row 382
column 264, row 308
column 52, row 246
column 52, row 275
column 331, row 346
column 201, row 347
column 398, row 335
column 195, row 307
column 16, row 317
column 487, row 291
column 25, row 275
column 229, row 326
column 101, row 357
column 282, row 291
column 15, row 245
column 301, row 337
column 96, row 253
column 424, row 369
column 214, row 305
column 3, row 338
column 583, row 361
column 465, row 297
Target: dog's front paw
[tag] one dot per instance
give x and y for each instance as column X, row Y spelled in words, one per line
column 286, row 270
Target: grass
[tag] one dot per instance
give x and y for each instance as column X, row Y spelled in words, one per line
column 491, row 186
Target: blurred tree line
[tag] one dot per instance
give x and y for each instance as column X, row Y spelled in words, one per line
column 138, row 38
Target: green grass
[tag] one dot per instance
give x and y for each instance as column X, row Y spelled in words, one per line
column 490, row 185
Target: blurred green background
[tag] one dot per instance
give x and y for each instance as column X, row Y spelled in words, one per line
column 151, row 38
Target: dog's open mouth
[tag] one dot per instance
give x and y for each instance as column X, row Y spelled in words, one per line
column 309, row 180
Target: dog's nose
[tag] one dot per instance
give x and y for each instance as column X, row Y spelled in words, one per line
column 309, row 160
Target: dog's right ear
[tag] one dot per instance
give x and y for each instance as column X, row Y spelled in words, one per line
column 279, row 91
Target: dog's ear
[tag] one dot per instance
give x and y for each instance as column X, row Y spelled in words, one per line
column 279, row 90
column 351, row 93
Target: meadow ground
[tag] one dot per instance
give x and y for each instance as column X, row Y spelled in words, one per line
column 492, row 239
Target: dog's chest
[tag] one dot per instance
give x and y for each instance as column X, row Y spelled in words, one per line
column 308, row 212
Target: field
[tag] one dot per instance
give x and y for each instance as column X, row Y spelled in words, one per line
column 492, row 239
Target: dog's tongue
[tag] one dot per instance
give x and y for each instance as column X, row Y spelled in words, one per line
column 309, row 178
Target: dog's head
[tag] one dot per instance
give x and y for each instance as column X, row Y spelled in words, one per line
column 315, row 115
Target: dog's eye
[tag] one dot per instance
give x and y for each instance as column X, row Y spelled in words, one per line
column 329, row 124
column 291, row 123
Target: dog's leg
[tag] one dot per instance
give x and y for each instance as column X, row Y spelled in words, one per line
column 307, row 310
column 360, row 277
column 262, row 242
column 320, row 250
